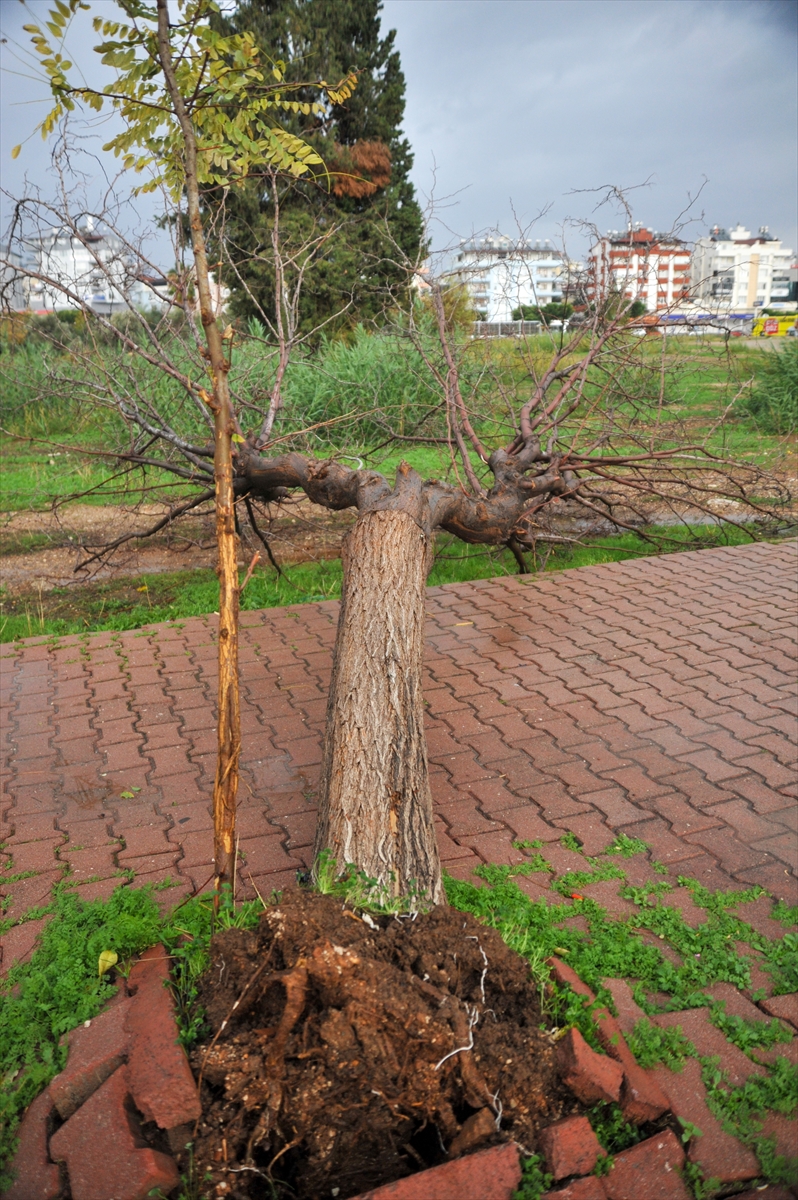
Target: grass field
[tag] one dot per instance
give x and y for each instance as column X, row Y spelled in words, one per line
column 52, row 442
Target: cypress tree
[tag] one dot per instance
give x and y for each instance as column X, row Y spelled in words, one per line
column 366, row 206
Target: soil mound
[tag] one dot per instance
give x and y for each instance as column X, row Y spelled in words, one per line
column 349, row 1050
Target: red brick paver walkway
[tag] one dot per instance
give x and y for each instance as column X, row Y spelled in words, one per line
column 655, row 697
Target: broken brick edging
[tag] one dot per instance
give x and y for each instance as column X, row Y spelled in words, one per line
column 651, row 1170
column 125, row 1068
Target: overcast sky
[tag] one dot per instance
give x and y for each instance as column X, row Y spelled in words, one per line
column 523, row 104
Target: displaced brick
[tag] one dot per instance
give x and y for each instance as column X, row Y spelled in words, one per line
column 564, row 975
column 590, row 1076
column 629, row 1011
column 649, row 1171
column 492, row 1174
column 105, row 1152
column 96, row 1050
column 35, row 1176
column 161, row 1082
column 642, row 1099
column 570, row 1147
column 718, row 1153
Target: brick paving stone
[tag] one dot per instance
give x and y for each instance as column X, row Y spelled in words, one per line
column 681, row 898
column 145, row 839
column 728, row 849
column 591, row 1077
column 628, row 1010
column 782, row 1129
column 36, row 1177
column 570, row 1147
column 778, row 879
column 262, row 855
column 37, row 856
column 492, row 1174
column 159, row 1075
column 593, row 834
column 708, row 1040
column 98, row 889
column 18, row 943
column 665, row 846
column 31, row 828
column 681, row 816
column 719, row 1154
column 605, row 893
column 649, row 1171
column 464, row 818
column 783, row 846
column 96, row 1050
column 784, row 1007
column 103, row 1148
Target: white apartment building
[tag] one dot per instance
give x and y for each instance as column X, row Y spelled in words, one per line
column 501, row 274
column 735, row 270
column 639, row 264
column 97, row 268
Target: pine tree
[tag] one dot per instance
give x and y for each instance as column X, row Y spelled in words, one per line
column 367, row 199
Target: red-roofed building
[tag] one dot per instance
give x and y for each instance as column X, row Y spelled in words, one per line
column 640, row 265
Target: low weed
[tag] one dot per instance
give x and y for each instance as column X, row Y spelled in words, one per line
column 60, row 987
column 626, row 846
column 535, row 1180
column 613, row 1131
column 748, row 1035
column 742, row 1110
column 654, row 1047
column 360, row 891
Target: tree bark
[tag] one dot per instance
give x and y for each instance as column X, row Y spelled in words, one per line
column 375, row 804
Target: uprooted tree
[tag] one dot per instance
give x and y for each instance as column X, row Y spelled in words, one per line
column 523, row 436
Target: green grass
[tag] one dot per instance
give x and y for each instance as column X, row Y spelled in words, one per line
column 131, row 602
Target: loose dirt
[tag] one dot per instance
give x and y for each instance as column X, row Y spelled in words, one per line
column 46, row 550
column 348, row 1050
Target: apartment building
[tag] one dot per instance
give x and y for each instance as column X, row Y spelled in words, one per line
column 639, row 264
column 501, row 274
column 88, row 267
column 737, row 270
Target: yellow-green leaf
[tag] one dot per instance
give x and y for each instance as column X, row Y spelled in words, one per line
column 108, row 959
column 15, row 151
column 236, row 437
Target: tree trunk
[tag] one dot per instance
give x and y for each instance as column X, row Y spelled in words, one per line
column 225, row 788
column 375, row 807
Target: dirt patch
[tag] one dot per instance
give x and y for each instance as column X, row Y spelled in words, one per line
column 44, row 550
column 350, row 1050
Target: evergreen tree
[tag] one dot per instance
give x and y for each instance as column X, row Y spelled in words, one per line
column 347, row 221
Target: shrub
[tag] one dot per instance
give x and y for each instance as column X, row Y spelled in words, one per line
column 773, row 402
